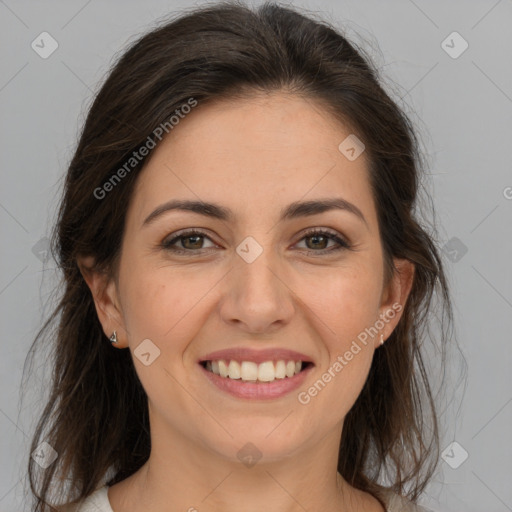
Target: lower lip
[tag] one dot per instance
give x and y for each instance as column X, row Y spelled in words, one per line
column 255, row 390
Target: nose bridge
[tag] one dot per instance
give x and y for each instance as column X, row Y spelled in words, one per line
column 258, row 295
column 257, row 266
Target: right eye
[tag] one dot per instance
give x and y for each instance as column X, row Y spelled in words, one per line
column 195, row 236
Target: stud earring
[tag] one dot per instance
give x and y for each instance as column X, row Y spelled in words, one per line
column 382, row 339
column 113, row 338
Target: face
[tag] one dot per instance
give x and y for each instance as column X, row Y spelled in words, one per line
column 191, row 284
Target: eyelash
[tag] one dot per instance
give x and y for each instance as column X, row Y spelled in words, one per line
column 343, row 244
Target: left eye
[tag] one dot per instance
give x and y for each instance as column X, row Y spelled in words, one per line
column 191, row 241
column 321, row 236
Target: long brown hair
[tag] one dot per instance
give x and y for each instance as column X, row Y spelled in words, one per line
column 96, row 416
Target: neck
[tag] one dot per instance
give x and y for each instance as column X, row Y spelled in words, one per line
column 182, row 475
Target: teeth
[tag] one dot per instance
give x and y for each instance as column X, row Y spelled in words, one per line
column 266, row 372
column 250, row 371
column 234, row 370
column 223, row 369
column 280, row 370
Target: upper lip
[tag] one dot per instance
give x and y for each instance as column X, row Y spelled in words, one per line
column 257, row 356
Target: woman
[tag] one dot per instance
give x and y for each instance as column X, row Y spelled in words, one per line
column 239, row 215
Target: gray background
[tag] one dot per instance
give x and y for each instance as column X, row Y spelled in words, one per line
column 462, row 107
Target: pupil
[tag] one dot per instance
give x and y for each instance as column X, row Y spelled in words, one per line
column 316, row 237
column 191, row 237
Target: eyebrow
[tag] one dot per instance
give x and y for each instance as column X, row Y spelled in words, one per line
column 292, row 211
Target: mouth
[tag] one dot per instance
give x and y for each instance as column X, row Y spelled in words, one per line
column 252, row 372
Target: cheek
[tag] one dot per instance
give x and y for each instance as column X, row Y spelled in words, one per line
column 163, row 303
column 346, row 306
column 150, row 303
column 346, row 299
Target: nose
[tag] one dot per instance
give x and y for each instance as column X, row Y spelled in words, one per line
column 257, row 295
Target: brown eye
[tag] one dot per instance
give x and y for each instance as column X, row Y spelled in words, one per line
column 190, row 241
column 194, row 244
column 317, row 241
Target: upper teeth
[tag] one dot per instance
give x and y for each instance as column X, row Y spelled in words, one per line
column 248, row 370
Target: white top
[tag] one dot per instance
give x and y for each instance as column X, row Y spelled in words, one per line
column 98, row 502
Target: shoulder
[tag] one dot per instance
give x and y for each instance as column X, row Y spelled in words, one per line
column 95, row 502
column 396, row 503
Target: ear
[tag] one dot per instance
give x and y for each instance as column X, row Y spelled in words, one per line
column 105, row 295
column 394, row 297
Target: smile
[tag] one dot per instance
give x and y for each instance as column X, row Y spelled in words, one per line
column 249, row 380
column 249, row 371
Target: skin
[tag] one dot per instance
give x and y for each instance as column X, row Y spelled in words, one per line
column 254, row 156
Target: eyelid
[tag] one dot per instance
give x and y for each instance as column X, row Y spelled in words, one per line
column 184, row 233
column 341, row 240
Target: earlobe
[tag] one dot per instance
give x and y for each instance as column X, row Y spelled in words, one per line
column 104, row 293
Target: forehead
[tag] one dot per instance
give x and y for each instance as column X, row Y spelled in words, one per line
column 265, row 150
